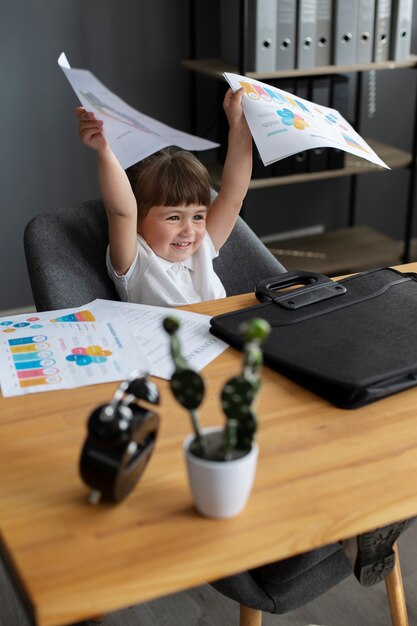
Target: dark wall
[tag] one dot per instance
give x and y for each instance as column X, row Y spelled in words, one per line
column 134, row 47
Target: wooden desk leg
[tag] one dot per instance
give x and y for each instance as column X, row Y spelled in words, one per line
column 250, row 617
column 395, row 594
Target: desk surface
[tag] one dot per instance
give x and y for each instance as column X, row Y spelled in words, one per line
column 324, row 474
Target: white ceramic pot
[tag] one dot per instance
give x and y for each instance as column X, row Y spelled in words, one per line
column 220, row 488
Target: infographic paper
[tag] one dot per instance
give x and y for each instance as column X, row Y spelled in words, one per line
column 199, row 346
column 132, row 135
column 64, row 349
column 283, row 124
column 102, row 341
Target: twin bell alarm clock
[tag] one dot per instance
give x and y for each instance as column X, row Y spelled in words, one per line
column 120, row 440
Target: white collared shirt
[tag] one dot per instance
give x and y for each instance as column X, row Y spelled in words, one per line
column 153, row 280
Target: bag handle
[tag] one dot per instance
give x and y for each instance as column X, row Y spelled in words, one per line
column 317, row 287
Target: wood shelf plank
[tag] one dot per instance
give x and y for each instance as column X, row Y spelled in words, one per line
column 341, row 251
column 215, row 68
column 393, row 157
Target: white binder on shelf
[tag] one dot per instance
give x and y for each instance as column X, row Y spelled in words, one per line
column 345, row 31
column 262, row 35
column 382, row 30
column 324, row 33
column 365, row 35
column 306, row 33
column 401, row 23
column 286, row 34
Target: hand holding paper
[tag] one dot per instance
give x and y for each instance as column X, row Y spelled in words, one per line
column 131, row 135
column 283, row 124
column 90, row 130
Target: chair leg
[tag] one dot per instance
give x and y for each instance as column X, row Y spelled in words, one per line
column 250, row 617
column 395, row 594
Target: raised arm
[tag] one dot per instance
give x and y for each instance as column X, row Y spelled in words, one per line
column 236, row 175
column 119, row 200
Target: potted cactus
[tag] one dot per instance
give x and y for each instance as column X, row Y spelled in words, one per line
column 221, row 462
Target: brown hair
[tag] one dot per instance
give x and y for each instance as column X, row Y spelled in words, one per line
column 170, row 177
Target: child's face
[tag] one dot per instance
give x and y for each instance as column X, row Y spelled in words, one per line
column 174, row 233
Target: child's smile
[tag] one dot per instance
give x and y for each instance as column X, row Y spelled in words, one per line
column 183, row 245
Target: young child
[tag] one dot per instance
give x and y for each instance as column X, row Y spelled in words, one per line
column 163, row 230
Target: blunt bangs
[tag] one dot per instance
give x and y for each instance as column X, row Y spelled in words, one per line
column 171, row 177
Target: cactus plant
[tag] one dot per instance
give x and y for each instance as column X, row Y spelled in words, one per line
column 237, row 395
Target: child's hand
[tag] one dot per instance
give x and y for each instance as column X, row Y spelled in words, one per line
column 232, row 105
column 90, row 130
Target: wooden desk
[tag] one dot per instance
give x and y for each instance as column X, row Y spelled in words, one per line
column 324, row 474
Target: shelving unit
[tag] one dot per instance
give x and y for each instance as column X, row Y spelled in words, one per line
column 341, row 251
column 393, row 157
column 377, row 249
column 215, row 68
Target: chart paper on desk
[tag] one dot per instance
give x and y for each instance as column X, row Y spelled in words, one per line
column 283, row 124
column 199, row 346
column 102, row 341
column 132, row 135
column 65, row 349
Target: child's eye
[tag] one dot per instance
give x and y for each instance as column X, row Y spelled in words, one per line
column 199, row 217
column 173, row 218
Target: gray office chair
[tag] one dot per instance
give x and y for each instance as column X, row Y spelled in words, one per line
column 285, row 585
column 65, row 254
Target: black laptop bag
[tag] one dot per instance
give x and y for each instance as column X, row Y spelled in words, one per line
column 352, row 341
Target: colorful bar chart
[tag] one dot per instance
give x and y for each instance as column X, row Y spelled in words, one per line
column 79, row 316
column 33, row 362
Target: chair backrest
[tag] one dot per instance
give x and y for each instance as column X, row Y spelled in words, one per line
column 65, row 255
column 244, row 260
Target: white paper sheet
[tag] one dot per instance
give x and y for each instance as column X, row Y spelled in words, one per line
column 132, row 135
column 283, row 124
column 199, row 346
column 102, row 341
column 65, row 349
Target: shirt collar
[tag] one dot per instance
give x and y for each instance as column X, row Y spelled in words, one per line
column 167, row 265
